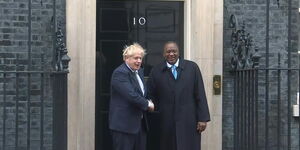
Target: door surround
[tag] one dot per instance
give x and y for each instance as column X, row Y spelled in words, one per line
column 81, row 38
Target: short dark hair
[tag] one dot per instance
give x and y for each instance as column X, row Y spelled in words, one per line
column 171, row 42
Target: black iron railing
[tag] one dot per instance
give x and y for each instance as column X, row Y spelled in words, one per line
column 33, row 95
column 38, row 91
column 261, row 120
column 263, row 96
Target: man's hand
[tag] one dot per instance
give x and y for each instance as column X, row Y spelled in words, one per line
column 201, row 126
column 150, row 105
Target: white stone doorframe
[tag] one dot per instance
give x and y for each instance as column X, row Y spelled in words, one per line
column 203, row 43
column 81, row 43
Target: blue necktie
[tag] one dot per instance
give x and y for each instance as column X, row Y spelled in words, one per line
column 174, row 71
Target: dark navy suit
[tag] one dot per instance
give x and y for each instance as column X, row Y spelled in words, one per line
column 126, row 111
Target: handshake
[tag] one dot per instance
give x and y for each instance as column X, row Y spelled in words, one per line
column 150, row 105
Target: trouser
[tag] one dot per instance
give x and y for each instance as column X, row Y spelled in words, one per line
column 127, row 141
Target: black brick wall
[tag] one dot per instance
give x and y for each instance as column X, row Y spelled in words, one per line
column 253, row 14
column 27, row 114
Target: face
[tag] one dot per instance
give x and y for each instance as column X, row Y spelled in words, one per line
column 134, row 61
column 171, row 53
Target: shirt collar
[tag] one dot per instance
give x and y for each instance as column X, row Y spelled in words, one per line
column 176, row 64
column 130, row 68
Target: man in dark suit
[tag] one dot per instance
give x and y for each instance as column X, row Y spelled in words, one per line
column 177, row 86
column 127, row 120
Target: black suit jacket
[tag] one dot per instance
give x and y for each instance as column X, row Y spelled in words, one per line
column 127, row 103
column 182, row 103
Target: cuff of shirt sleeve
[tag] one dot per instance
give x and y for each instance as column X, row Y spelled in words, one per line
column 150, row 104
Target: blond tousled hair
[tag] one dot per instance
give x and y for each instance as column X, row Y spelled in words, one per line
column 130, row 50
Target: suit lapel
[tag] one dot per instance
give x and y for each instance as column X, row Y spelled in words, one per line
column 134, row 80
column 174, row 84
column 182, row 76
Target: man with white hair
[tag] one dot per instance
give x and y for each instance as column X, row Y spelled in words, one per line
column 127, row 118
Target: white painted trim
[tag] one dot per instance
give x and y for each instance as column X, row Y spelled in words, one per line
column 81, row 43
column 165, row 0
column 187, row 29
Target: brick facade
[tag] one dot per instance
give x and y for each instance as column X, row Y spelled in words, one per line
column 253, row 14
column 28, row 112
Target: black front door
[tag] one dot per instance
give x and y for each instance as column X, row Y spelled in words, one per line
column 150, row 23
